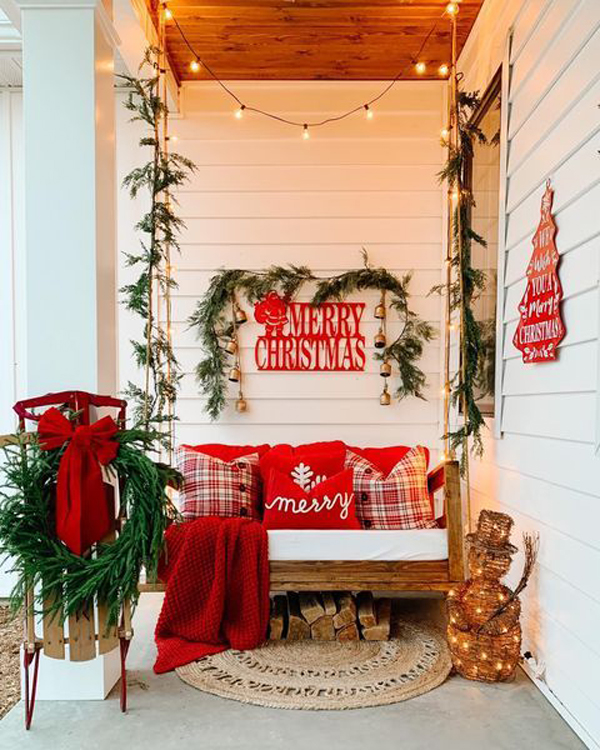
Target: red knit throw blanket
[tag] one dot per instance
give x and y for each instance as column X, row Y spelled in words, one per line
column 217, row 576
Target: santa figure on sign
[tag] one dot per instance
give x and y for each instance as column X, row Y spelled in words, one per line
column 272, row 313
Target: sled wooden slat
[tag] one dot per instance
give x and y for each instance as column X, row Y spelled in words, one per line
column 107, row 638
column 82, row 635
column 53, row 630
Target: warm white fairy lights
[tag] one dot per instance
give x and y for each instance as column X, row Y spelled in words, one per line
column 196, row 64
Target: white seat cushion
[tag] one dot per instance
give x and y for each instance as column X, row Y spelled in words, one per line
column 413, row 544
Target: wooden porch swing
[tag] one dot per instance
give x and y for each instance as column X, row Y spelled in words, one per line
column 379, row 575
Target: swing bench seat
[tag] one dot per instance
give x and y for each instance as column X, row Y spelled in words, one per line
column 421, row 572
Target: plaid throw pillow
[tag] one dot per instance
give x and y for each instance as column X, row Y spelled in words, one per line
column 398, row 501
column 212, row 487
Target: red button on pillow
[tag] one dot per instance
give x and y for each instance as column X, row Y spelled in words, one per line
column 328, row 505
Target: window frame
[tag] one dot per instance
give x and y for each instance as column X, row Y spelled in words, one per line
column 494, row 90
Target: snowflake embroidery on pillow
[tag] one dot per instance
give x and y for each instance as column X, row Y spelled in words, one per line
column 302, row 475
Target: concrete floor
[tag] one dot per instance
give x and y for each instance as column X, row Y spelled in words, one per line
column 166, row 714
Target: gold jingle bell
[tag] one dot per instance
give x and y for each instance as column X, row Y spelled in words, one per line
column 379, row 340
column 231, row 346
column 234, row 375
column 241, row 405
column 385, row 370
column 385, row 399
column 240, row 315
column 380, row 311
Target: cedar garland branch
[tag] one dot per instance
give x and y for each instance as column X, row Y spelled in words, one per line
column 213, row 326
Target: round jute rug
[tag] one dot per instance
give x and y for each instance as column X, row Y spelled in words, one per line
column 320, row 675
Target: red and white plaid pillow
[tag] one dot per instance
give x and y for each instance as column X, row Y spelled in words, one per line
column 398, row 501
column 212, row 487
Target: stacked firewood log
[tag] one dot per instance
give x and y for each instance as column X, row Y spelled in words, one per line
column 330, row 616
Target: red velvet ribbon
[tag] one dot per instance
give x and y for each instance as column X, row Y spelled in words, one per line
column 82, row 511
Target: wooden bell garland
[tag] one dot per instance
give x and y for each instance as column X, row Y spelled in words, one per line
column 239, row 315
column 380, row 309
column 241, row 405
column 380, row 340
column 235, row 373
column 385, row 399
column 231, row 346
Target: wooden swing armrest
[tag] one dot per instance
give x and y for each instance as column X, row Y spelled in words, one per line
column 436, row 478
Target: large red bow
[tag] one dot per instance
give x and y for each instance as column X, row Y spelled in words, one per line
column 83, row 515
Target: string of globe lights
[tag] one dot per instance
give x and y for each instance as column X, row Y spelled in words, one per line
column 420, row 67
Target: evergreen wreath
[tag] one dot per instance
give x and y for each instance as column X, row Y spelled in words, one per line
column 212, row 325
column 160, row 225
column 44, row 563
column 469, row 385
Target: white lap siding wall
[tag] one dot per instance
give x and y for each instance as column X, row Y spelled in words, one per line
column 544, row 470
column 262, row 195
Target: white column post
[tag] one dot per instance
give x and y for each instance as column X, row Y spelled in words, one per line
column 69, row 134
column 70, row 248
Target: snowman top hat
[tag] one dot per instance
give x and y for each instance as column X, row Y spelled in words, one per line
column 493, row 533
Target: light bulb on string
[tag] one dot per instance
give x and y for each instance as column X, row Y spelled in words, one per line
column 239, row 113
column 420, row 67
column 305, row 132
column 368, row 112
column 168, row 14
column 443, row 70
column 445, row 134
column 195, row 65
column 452, row 9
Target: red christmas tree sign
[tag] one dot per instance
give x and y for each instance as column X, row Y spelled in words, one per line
column 540, row 327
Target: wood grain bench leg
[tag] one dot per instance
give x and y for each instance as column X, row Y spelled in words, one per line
column 454, row 520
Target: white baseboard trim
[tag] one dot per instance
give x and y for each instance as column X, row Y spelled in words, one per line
column 560, row 707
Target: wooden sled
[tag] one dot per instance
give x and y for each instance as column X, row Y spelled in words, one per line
column 86, row 631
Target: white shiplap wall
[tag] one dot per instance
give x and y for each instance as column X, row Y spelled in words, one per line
column 263, row 195
column 544, row 469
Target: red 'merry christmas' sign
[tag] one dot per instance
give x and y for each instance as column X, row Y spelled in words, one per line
column 540, row 327
column 301, row 336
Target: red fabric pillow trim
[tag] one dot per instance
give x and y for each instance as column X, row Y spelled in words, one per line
column 228, row 453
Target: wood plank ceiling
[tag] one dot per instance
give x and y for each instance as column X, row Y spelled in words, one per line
column 313, row 39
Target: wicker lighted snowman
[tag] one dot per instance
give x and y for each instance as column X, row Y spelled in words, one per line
column 484, row 632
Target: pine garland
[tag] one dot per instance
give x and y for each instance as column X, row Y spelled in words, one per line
column 211, row 321
column 154, row 403
column 467, row 285
column 42, row 561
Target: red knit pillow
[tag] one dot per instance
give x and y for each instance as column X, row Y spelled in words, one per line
column 212, row 487
column 398, row 501
column 306, row 465
column 328, row 505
